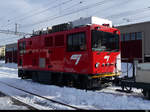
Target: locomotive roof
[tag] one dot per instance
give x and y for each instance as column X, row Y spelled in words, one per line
column 76, row 28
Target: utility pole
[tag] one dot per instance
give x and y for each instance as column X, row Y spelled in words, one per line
column 14, row 33
column 16, row 28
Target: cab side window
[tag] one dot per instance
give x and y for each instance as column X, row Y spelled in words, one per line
column 76, row 42
column 22, row 47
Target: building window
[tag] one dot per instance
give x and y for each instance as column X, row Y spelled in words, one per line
column 9, row 49
column 122, row 37
column 139, row 36
column 76, row 42
column 127, row 36
column 132, row 36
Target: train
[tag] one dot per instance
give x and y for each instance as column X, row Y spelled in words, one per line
column 84, row 53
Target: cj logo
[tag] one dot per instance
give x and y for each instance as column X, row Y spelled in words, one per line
column 107, row 57
column 76, row 57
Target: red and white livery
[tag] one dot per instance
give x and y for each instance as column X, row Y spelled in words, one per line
column 81, row 53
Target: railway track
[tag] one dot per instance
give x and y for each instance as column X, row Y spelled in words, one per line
column 18, row 102
column 41, row 97
column 106, row 90
column 115, row 92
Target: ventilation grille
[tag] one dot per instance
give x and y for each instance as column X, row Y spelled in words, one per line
column 59, row 40
column 48, row 41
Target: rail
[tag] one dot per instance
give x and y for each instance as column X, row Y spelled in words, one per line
column 25, row 104
column 57, row 102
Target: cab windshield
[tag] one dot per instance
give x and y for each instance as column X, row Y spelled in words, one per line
column 104, row 41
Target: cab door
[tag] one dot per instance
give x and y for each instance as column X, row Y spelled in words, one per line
column 76, row 57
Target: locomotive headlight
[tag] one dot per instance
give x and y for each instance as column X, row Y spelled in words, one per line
column 97, row 65
column 107, row 64
column 103, row 64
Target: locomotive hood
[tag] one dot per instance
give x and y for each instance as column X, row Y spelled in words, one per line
column 106, row 62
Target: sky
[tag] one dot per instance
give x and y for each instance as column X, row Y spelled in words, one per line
column 32, row 15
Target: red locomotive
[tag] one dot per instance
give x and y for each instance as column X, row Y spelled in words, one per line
column 77, row 54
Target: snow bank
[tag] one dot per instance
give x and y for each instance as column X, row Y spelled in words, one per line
column 80, row 98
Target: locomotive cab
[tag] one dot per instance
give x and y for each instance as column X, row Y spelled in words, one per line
column 105, row 43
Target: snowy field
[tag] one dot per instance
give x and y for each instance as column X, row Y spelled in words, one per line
column 7, row 104
column 106, row 99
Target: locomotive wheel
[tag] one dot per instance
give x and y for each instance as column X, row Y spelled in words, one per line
column 22, row 77
column 128, row 89
column 146, row 93
column 21, row 74
column 125, row 88
column 59, row 80
column 69, row 81
column 35, row 77
column 85, row 83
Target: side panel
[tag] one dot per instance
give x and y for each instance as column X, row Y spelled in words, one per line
column 143, row 73
column 32, row 58
column 77, row 62
column 58, row 59
column 80, row 61
column 47, row 51
column 59, row 52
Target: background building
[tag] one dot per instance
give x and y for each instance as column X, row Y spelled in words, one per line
column 135, row 41
column 2, row 52
column 11, row 53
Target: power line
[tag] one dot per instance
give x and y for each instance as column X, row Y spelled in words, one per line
column 31, row 11
column 40, row 12
column 45, row 10
column 66, row 14
column 131, row 12
column 74, row 5
column 14, row 39
column 88, row 6
column 2, row 18
column 65, row 9
column 131, row 20
column 74, row 11
column 135, row 14
column 14, row 33
column 116, row 4
column 7, row 38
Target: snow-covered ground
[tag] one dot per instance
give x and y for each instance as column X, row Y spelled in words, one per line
column 106, row 99
column 6, row 103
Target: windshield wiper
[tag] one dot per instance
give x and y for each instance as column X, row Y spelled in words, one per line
column 98, row 49
column 115, row 50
